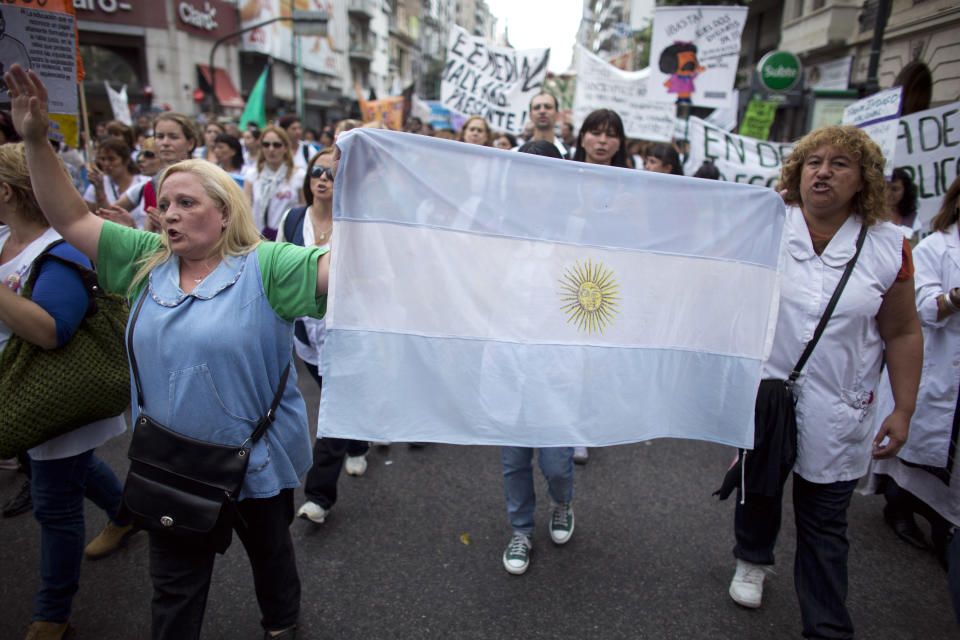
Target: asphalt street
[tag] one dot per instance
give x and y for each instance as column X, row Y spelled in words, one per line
column 412, row 550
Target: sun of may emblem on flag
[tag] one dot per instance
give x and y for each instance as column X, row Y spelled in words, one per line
column 589, row 296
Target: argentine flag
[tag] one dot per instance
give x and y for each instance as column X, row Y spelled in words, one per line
column 481, row 296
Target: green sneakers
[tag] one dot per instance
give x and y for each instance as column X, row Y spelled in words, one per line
column 516, row 559
column 561, row 523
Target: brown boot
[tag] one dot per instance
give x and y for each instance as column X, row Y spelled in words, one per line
column 47, row 630
column 110, row 539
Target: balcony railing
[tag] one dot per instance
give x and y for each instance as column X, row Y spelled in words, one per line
column 365, row 8
column 822, row 28
column 361, row 50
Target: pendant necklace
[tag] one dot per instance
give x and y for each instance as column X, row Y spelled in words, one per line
column 322, row 235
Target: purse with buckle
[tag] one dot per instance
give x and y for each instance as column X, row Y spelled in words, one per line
column 179, row 484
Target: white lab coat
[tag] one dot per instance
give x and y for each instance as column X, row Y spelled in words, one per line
column 835, row 408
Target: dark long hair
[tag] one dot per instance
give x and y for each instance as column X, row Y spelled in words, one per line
column 237, row 160
column 907, row 207
column 667, row 154
column 599, row 120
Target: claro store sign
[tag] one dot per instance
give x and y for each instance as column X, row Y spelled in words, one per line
column 142, row 13
column 208, row 18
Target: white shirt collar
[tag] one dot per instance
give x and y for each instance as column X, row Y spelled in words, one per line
column 838, row 251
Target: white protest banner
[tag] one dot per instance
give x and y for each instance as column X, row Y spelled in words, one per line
column 600, row 85
column 878, row 115
column 44, row 39
column 496, row 82
column 739, row 158
column 695, row 43
column 554, row 342
column 119, row 104
column 928, row 148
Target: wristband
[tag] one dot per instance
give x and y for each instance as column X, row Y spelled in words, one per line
column 948, row 302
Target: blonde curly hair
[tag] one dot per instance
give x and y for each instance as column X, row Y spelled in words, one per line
column 871, row 202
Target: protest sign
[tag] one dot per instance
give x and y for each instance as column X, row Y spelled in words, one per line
column 878, row 116
column 758, row 118
column 495, row 82
column 600, row 85
column 694, row 54
column 389, row 111
column 739, row 158
column 928, row 148
column 119, row 104
column 555, row 341
column 43, row 38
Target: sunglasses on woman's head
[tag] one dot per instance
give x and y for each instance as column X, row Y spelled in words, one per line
column 317, row 172
column 275, row 145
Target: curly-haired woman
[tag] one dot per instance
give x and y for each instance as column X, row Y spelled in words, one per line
column 834, row 187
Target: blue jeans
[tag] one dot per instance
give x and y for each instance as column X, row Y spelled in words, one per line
column 820, row 564
column 556, row 463
column 58, row 488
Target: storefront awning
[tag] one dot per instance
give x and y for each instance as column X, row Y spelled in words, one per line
column 227, row 94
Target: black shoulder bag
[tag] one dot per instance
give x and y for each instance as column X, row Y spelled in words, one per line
column 179, row 484
column 775, row 421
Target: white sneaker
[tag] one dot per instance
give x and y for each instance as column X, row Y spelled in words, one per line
column 313, row 512
column 746, row 588
column 580, row 455
column 355, row 465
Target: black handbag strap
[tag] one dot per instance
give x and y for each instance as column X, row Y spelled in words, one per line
column 264, row 422
column 830, row 307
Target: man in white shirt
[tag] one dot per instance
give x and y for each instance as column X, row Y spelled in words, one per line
column 302, row 151
column 543, row 114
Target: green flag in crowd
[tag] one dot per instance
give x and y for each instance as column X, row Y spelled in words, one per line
column 254, row 111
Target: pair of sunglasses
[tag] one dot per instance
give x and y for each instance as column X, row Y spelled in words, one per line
column 318, row 172
column 149, row 155
column 275, row 145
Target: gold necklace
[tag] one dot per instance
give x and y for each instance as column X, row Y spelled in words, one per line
column 319, row 237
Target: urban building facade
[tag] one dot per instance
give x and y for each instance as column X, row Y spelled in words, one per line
column 919, row 51
column 160, row 51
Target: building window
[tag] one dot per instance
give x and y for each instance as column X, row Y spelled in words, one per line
column 797, row 9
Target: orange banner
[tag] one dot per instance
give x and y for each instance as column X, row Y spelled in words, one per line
column 387, row 110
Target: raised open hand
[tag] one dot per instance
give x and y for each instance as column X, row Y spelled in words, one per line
column 28, row 103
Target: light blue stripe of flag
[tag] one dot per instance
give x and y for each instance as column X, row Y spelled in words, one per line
column 386, row 377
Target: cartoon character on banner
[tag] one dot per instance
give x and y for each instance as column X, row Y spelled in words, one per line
column 679, row 61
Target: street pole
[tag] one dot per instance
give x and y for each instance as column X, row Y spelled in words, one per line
column 213, row 50
column 872, row 85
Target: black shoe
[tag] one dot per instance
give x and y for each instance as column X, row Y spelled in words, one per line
column 905, row 527
column 21, row 503
column 941, row 542
column 290, row 633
